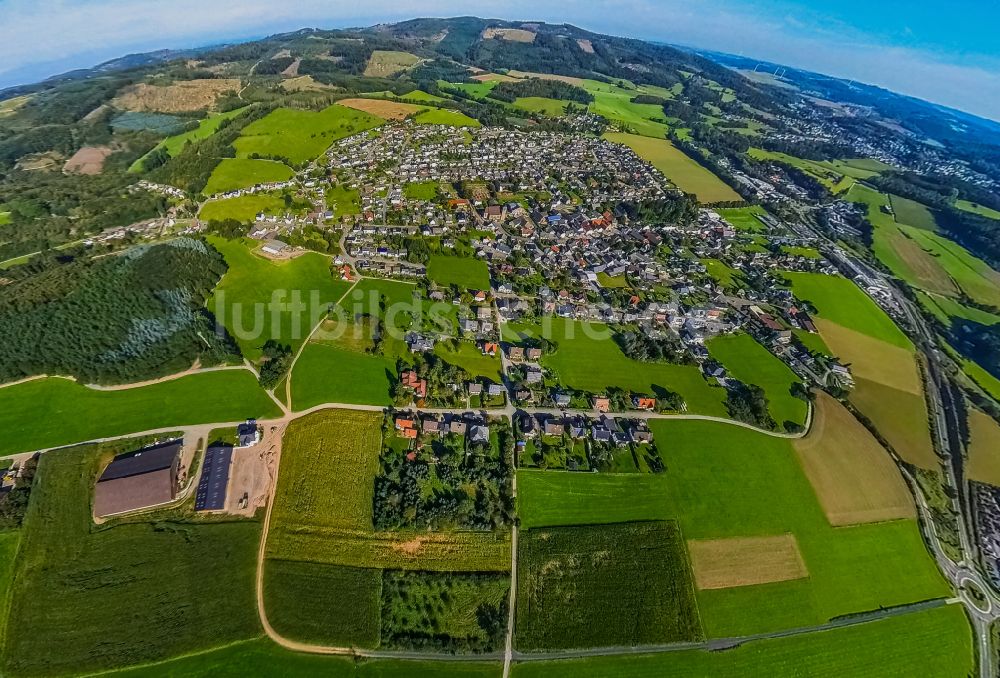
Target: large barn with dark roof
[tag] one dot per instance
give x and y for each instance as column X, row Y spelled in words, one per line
column 138, row 479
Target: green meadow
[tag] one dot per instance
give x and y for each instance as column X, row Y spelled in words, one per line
column 244, row 208
column 329, row 374
column 836, row 175
column 936, row 642
column 976, row 208
column 174, row 144
column 543, row 105
column 478, row 90
column 973, row 275
column 744, row 218
column 681, row 170
column 751, row 363
column 728, row 481
column 420, row 190
column 466, row 272
column 725, row 275
column 946, row 309
column 468, row 356
column 445, row 116
column 298, row 135
column 235, row 173
column 262, row 657
column 51, row 412
column 593, row 364
column 841, row 301
column 549, row 498
column 913, row 213
column 615, row 104
column 343, row 200
column 260, row 299
column 81, row 588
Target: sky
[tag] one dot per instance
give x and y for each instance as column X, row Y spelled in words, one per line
column 948, row 53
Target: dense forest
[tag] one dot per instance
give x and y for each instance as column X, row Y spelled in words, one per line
column 116, row 319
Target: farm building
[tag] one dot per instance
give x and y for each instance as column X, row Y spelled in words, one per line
column 214, row 481
column 248, row 434
column 138, row 479
column 274, row 247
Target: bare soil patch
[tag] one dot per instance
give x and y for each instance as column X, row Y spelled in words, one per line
column 383, row 108
column 855, row 479
column 548, row 76
column 48, row 160
column 293, row 68
column 386, row 63
column 88, row 160
column 586, row 45
column 511, row 34
column 745, row 561
column 187, row 95
column 253, row 473
column 305, row 83
column 490, row 77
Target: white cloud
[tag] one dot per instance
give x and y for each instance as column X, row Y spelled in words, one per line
column 46, row 33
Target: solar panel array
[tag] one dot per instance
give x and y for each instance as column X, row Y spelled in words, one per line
column 211, row 494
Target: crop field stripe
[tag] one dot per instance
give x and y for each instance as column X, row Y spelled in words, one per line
column 984, row 448
column 745, row 561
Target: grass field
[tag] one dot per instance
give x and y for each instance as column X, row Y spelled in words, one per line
column 9, row 542
column 984, row 379
column 386, row 63
column 900, row 417
column 543, row 105
column 421, row 190
column 855, row 479
column 323, row 604
column 298, row 135
column 329, row 374
column 614, row 282
column 725, row 275
column 751, row 363
column 806, row 252
column 681, row 170
column 976, row 208
column 82, row 592
column 52, row 412
column 579, row 587
column 913, row 213
column 243, row 209
column 174, row 144
column 935, row 642
column 478, row 90
column 343, row 200
column 973, row 275
column 594, row 364
column 871, row 358
column 551, row 498
column 470, row 359
column 466, row 272
column 234, row 173
column 260, row 299
column 615, row 104
column 727, row 481
column 984, row 448
column 745, row 561
column 445, row 116
column 744, row 218
column 261, row 657
column 383, row 108
column 841, row 301
column 946, row 309
column 836, row 175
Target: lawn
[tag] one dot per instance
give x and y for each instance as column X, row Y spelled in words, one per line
column 82, row 592
column 299, row 135
column 681, row 170
column 543, row 105
column 936, row 642
column 343, row 200
column 727, row 481
column 595, row 363
column 841, row 301
column 725, row 275
column 812, row 341
column 243, row 209
column 806, row 252
column 976, row 208
column 466, row 272
column 261, row 657
column 984, row 448
column 912, row 213
column 52, row 412
column 175, row 144
column 331, row 374
column 598, row 586
column 548, row 498
column 234, row 173
column 445, row 116
column 744, row 218
column 260, row 299
column 751, row 363
column 420, row 190
column 470, row 358
column 612, row 282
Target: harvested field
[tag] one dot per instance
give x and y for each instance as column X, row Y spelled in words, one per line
column 855, row 479
column 585, row 45
column 900, row 417
column 383, row 108
column 579, row 82
column 293, row 69
column 871, row 358
column 88, row 160
column 511, row 34
column 304, row 83
column 491, row 77
column 984, row 448
column 187, row 95
column 745, row 561
column 384, row 63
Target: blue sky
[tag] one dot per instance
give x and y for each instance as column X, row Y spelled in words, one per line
column 948, row 53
